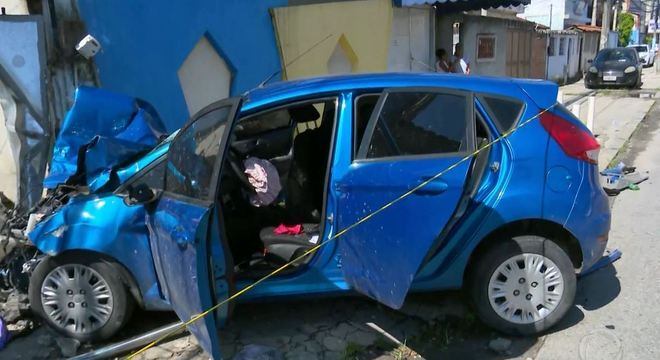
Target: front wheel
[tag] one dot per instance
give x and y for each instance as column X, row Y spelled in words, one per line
column 80, row 297
column 523, row 286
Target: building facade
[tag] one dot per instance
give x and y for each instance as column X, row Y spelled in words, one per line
column 558, row 14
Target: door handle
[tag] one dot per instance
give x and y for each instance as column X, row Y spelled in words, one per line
column 435, row 187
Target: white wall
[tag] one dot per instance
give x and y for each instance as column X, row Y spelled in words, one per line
column 565, row 66
column 7, row 163
column 542, row 11
column 14, row 7
column 411, row 44
column 205, row 77
column 470, row 27
column 8, row 113
column 473, row 26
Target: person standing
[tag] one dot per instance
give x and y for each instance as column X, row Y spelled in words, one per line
column 441, row 63
column 458, row 64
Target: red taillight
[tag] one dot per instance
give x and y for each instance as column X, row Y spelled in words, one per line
column 575, row 141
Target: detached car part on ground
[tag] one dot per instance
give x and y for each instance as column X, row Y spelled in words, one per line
column 513, row 224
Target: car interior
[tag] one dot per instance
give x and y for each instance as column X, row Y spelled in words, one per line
column 296, row 139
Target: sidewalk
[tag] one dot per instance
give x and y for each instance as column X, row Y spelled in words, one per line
column 618, row 112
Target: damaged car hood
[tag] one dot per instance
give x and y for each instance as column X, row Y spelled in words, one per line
column 102, row 131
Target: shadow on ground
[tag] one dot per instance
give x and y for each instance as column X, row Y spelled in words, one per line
column 431, row 326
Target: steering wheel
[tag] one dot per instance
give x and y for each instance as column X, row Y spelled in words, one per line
column 238, row 169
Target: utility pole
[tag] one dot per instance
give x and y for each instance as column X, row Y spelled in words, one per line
column 614, row 18
column 654, row 15
column 594, row 13
column 605, row 26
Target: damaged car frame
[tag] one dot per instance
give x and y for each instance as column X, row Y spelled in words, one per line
column 178, row 228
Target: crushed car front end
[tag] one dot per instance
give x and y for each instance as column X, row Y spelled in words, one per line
column 84, row 225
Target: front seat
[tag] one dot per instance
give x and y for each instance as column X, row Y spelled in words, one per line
column 305, row 186
column 284, row 248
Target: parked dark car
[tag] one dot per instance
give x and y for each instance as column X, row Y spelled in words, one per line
column 615, row 67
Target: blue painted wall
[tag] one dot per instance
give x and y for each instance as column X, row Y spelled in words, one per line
column 145, row 42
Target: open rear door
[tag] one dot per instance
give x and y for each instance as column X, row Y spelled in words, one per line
column 412, row 135
column 192, row 263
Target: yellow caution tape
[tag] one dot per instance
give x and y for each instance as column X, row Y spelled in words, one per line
column 336, row 236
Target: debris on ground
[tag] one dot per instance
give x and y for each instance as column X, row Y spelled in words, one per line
column 14, row 307
column 21, row 327
column 500, row 345
column 621, row 177
column 68, row 346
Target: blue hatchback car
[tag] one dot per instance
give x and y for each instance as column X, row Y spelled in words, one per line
column 513, row 224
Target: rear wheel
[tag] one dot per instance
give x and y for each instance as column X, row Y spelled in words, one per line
column 524, row 285
column 80, row 297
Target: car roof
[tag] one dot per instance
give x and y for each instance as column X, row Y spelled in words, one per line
column 313, row 87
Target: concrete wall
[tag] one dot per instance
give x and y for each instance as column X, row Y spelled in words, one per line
column 7, row 164
column 145, row 44
column 474, row 25
column 8, row 110
column 14, row 7
column 360, row 28
column 564, row 67
column 590, row 43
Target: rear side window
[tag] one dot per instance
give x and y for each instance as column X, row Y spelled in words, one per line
column 504, row 111
column 418, row 123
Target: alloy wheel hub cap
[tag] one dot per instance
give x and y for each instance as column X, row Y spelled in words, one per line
column 525, row 288
column 76, row 298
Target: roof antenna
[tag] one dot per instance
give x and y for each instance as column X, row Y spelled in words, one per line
column 269, row 78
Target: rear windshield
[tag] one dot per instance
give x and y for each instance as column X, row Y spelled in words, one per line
column 640, row 48
column 618, row 55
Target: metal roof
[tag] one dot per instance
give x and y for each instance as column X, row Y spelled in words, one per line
column 586, row 28
column 462, row 5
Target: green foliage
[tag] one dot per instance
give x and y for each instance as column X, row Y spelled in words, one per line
column 649, row 39
column 625, row 23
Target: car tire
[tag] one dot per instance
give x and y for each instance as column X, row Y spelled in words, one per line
column 80, row 296
column 491, row 294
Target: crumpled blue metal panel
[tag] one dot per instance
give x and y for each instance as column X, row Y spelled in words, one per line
column 110, row 128
column 106, row 225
